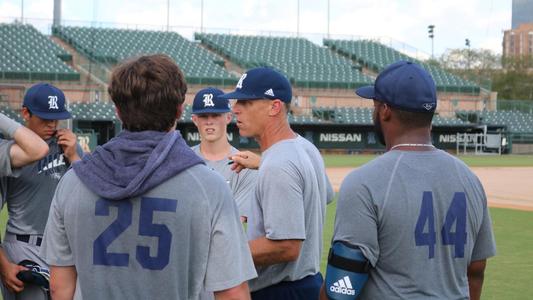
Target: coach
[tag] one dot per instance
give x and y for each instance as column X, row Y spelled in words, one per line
column 288, row 210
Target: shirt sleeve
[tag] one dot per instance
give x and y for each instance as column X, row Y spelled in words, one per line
column 244, row 191
column 5, row 159
column 330, row 191
column 356, row 218
column 281, row 200
column 56, row 249
column 484, row 245
column 229, row 260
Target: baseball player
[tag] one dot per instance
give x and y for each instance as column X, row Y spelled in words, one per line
column 211, row 115
column 29, row 195
column 414, row 222
column 22, row 147
column 288, row 210
column 149, row 220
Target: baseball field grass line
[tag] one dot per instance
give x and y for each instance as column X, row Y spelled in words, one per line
column 356, row 160
column 508, row 274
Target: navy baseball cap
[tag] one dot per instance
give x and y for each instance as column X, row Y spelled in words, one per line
column 262, row 83
column 403, row 85
column 207, row 101
column 47, row 102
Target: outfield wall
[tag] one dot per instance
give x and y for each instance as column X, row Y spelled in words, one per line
column 336, row 136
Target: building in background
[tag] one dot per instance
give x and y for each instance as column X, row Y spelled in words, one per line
column 519, row 41
column 522, row 12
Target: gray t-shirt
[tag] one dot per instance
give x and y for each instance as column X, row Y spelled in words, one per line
column 242, row 184
column 5, row 158
column 420, row 218
column 29, row 195
column 290, row 203
column 169, row 243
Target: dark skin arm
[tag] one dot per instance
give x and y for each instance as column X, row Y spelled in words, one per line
column 476, row 274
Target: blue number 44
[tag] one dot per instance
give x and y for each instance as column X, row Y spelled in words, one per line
column 456, row 214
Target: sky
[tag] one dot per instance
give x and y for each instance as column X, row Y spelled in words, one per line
column 401, row 24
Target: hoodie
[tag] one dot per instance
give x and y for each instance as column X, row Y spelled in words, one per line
column 132, row 163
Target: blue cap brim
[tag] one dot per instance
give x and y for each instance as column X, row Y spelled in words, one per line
column 241, row 96
column 211, row 111
column 367, row 92
column 52, row 116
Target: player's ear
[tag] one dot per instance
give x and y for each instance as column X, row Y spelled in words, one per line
column 229, row 116
column 117, row 111
column 25, row 113
column 179, row 111
column 386, row 112
column 195, row 120
column 276, row 107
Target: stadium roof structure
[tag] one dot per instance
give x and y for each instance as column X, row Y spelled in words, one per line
column 27, row 54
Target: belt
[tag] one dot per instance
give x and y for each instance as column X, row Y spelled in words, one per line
column 26, row 239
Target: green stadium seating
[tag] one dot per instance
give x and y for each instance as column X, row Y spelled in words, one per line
column 376, row 56
column 306, row 64
column 10, row 113
column 110, row 46
column 27, row 54
column 93, row 111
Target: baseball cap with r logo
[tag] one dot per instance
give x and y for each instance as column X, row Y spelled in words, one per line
column 207, row 101
column 46, row 101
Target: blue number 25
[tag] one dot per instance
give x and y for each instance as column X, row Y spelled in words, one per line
column 456, row 214
column 146, row 228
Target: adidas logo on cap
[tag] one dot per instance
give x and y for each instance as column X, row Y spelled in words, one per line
column 343, row 286
column 270, row 93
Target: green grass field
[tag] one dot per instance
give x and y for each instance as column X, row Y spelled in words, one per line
column 471, row 160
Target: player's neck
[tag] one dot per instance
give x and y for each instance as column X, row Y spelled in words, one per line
column 216, row 150
column 421, row 136
column 273, row 133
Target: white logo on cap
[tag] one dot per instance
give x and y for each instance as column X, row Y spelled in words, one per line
column 52, row 102
column 208, row 100
column 239, row 84
column 428, row 106
column 270, row 92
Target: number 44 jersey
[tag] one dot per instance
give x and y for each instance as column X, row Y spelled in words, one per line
column 420, row 218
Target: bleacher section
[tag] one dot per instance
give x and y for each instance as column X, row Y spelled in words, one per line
column 306, row 64
column 376, row 57
column 93, row 111
column 27, row 54
column 11, row 113
column 110, row 46
column 517, row 122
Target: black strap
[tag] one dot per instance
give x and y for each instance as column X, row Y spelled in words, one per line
column 347, row 264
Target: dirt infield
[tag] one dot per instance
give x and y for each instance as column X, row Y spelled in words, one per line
column 509, row 187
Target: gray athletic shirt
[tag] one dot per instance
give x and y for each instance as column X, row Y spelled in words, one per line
column 290, row 203
column 242, row 184
column 119, row 248
column 5, row 158
column 29, row 195
column 409, row 213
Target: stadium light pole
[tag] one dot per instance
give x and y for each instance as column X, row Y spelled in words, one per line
column 328, row 20
column 202, row 16
column 431, row 36
column 467, row 44
column 168, row 15
column 298, row 18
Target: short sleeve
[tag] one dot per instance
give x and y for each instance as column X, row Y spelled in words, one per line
column 229, row 261
column 281, row 200
column 5, row 158
column 484, row 245
column 244, row 190
column 356, row 218
column 56, row 249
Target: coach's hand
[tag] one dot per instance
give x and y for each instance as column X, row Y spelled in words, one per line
column 9, row 273
column 67, row 140
column 245, row 160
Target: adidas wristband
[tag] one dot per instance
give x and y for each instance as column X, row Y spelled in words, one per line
column 8, row 126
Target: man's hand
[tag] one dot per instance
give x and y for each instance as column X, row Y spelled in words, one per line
column 68, row 141
column 245, row 160
column 8, row 272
